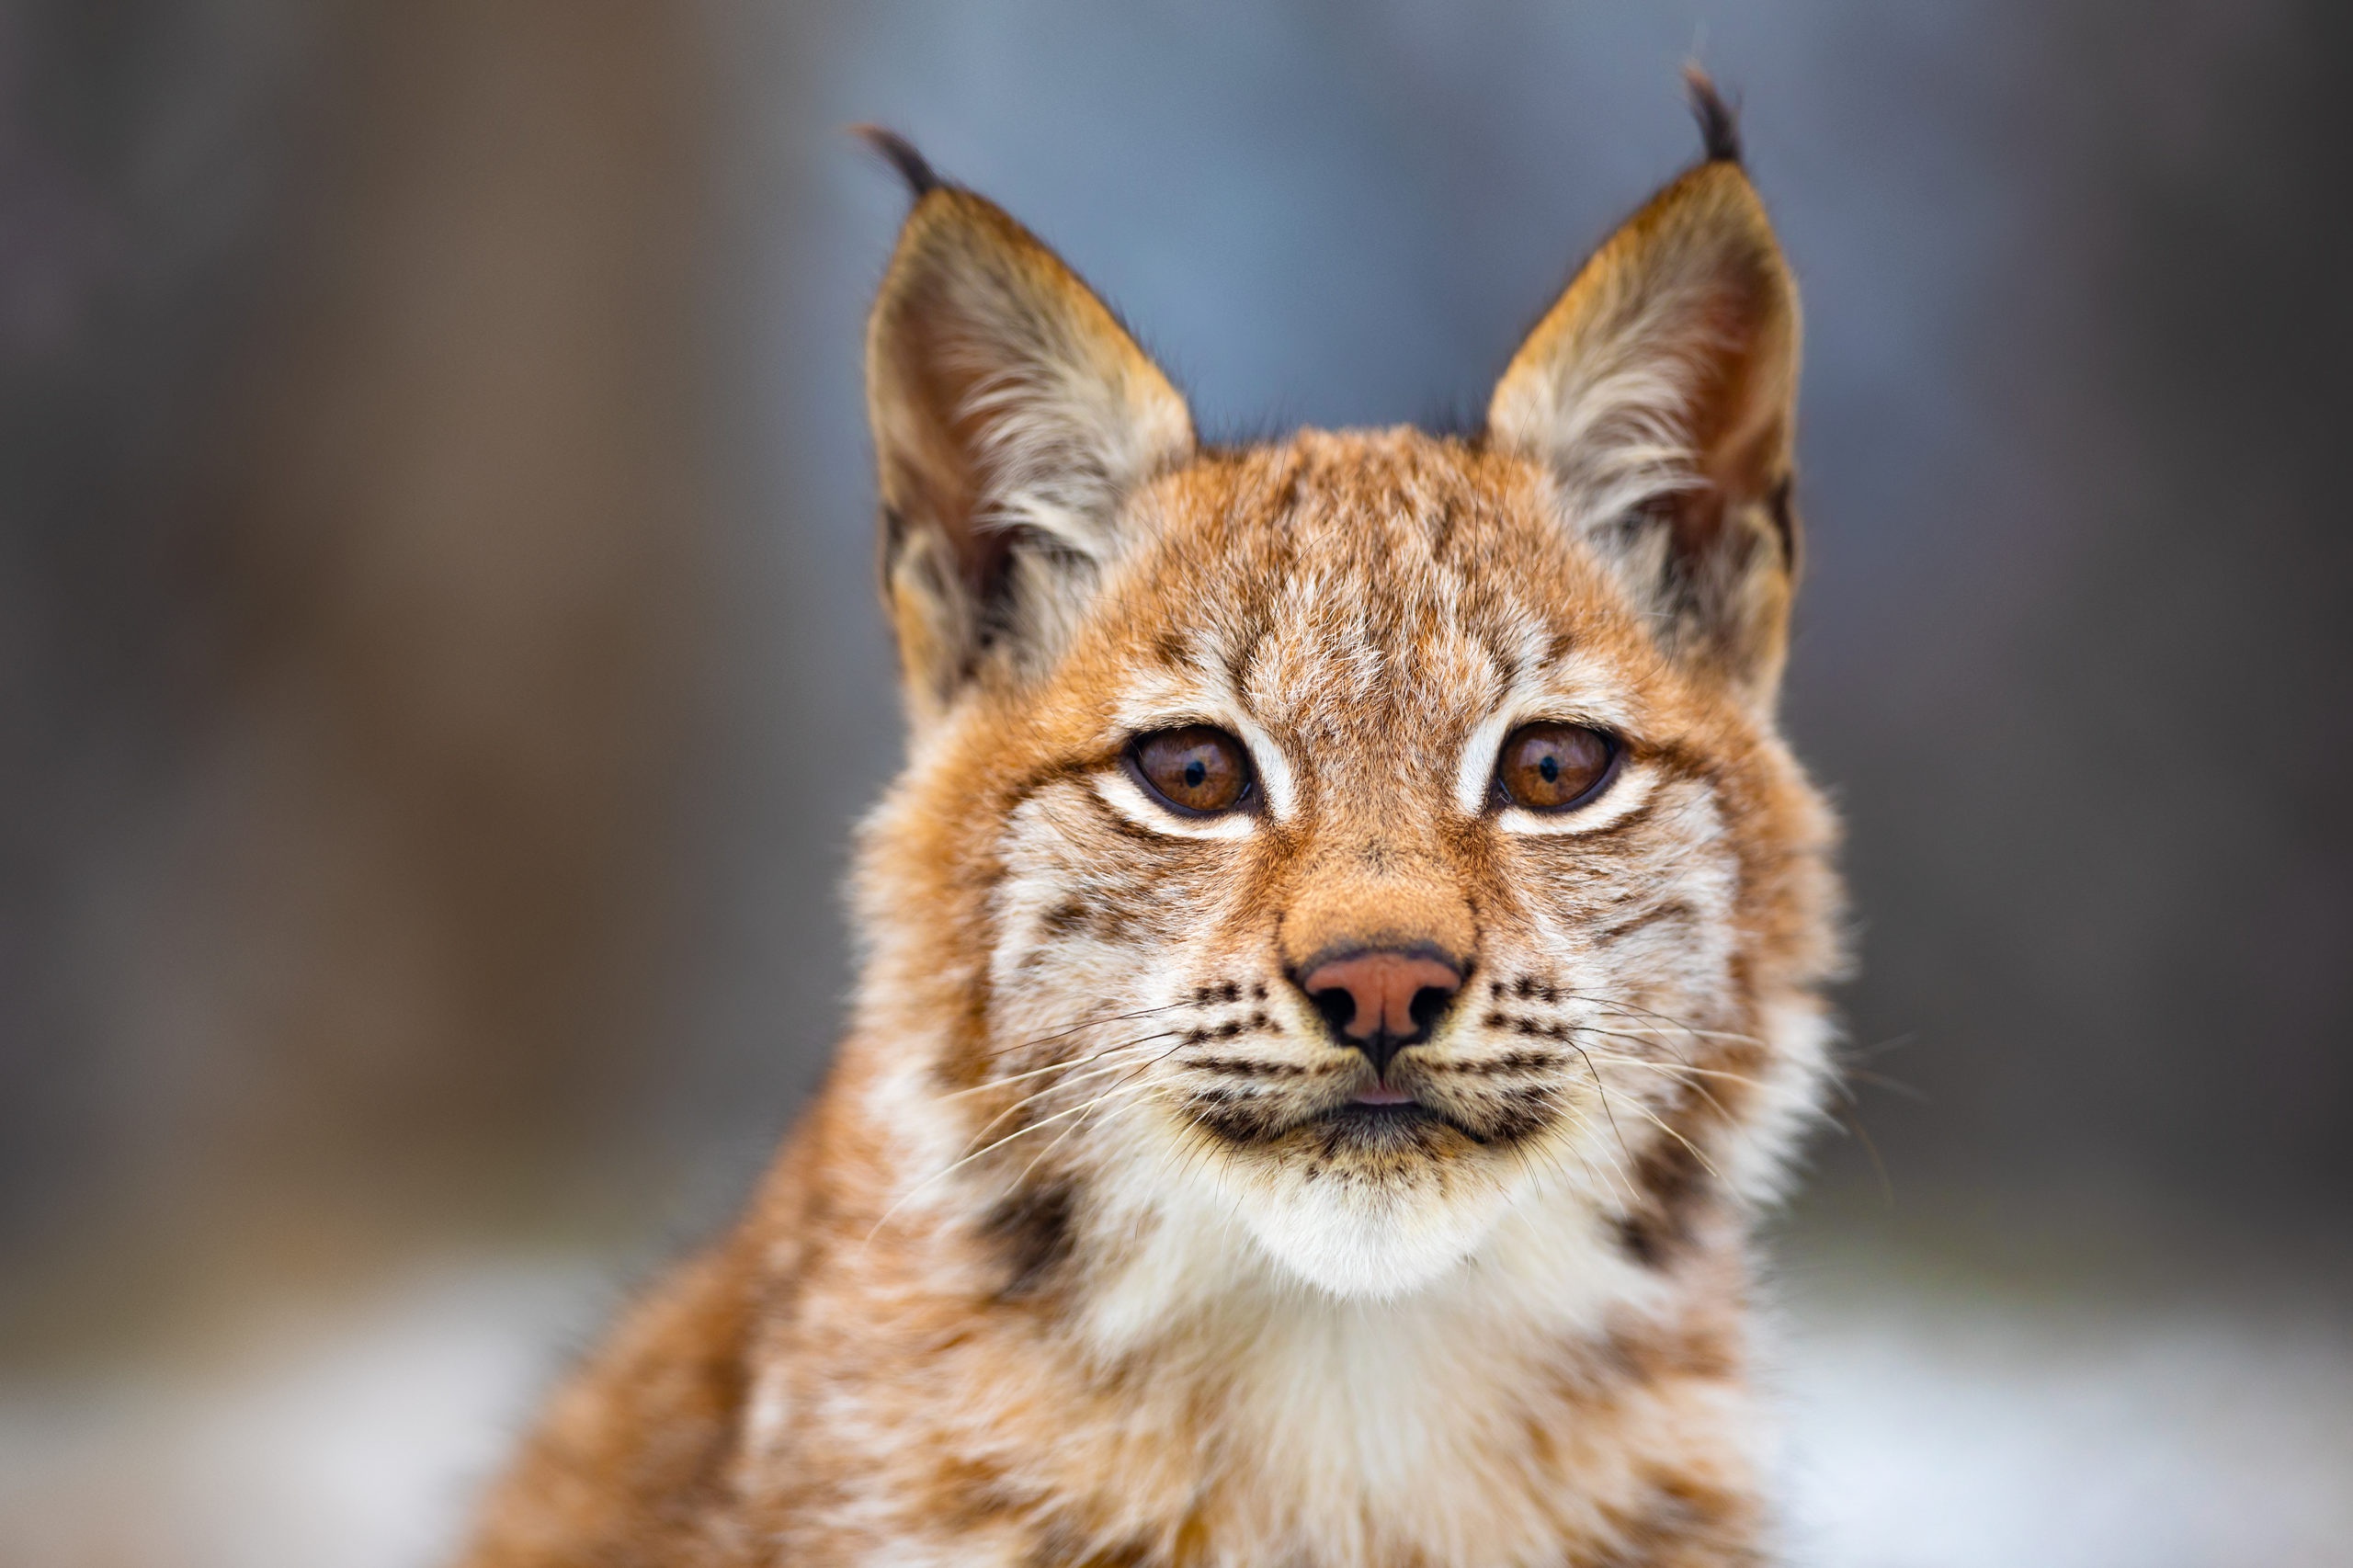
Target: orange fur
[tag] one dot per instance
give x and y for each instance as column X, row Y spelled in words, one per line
column 1072, row 1262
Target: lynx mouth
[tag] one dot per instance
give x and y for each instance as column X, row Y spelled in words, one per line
column 1368, row 1119
column 1377, row 1122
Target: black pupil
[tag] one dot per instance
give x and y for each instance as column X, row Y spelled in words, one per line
column 1196, row 773
column 1550, row 768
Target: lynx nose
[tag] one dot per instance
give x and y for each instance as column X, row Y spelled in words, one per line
column 1381, row 1000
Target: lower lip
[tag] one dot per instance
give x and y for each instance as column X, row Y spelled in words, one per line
column 1384, row 1096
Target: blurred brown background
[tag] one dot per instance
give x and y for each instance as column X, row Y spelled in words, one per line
column 438, row 668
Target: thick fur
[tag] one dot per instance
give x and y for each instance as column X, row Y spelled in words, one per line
column 1071, row 1262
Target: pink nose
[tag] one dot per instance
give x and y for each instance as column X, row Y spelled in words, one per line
column 1381, row 1000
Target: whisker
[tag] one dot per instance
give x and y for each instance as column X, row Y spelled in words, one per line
column 1082, row 1024
column 1602, row 1090
column 1689, row 1030
column 1059, row 1137
column 954, row 1167
column 1125, row 1086
column 1584, row 1123
column 1140, row 1070
column 1030, row 1099
column 1678, row 1070
column 1912, row 1091
column 1689, row 1073
column 1635, row 1009
column 1705, row 1164
column 1682, row 1068
column 987, row 1085
column 1853, row 1125
column 1107, row 1067
column 1893, row 1043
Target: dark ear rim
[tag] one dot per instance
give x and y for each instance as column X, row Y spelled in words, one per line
column 901, row 155
column 1719, row 122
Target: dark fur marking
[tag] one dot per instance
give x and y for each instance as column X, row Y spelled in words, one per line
column 901, row 155
column 1510, row 1061
column 1676, row 910
column 1235, row 1118
column 1681, row 1512
column 894, row 537
column 1442, row 521
column 1250, row 1067
column 1133, row 832
column 1060, row 1545
column 1526, row 1111
column 1032, row 1230
column 1779, row 507
column 1674, row 1184
column 1719, row 125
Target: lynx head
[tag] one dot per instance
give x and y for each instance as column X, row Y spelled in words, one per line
column 1363, row 851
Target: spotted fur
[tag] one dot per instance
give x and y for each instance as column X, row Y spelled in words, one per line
column 1087, row 1255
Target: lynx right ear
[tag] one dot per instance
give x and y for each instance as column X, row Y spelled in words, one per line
column 1012, row 417
column 1661, row 391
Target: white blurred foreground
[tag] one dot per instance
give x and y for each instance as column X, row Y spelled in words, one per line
column 1930, row 1427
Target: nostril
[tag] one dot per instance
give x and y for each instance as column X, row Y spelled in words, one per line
column 1338, row 1007
column 1430, row 1004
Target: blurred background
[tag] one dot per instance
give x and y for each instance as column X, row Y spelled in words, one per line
column 438, row 668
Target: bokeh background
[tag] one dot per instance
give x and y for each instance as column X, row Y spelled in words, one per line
column 438, row 667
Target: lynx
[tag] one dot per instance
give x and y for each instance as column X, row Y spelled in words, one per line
column 1343, row 968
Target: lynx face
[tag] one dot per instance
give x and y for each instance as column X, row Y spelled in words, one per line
column 1350, row 856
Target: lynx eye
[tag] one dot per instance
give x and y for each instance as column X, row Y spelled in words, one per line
column 1194, row 771
column 1551, row 768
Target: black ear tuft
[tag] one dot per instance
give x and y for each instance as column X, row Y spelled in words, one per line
column 913, row 168
column 1719, row 126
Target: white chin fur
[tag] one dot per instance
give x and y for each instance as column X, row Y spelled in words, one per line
column 1369, row 1243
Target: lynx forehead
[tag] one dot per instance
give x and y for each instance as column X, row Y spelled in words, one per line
column 1342, row 965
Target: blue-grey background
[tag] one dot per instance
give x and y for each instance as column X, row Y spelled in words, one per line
column 439, row 663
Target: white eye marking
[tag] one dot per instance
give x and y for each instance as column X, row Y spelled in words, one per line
column 1475, row 780
column 1123, row 795
column 1278, row 790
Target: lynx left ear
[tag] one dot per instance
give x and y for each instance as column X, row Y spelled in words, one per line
column 1661, row 392
column 1012, row 418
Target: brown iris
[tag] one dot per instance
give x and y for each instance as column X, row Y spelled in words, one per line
column 1550, row 767
column 1197, row 771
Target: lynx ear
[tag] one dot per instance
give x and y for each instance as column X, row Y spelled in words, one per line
column 1661, row 391
column 1012, row 417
